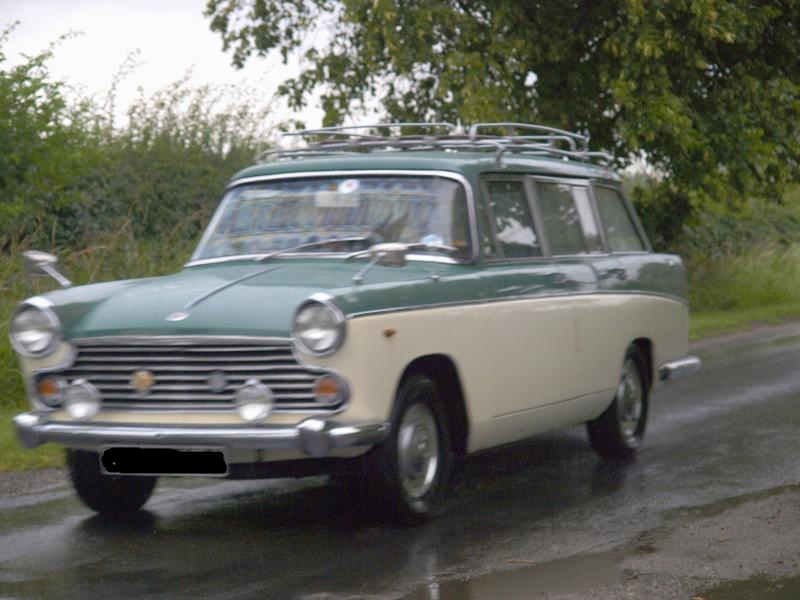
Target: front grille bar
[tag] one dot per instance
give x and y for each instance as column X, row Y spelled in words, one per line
column 183, row 369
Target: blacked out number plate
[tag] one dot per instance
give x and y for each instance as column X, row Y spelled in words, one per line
column 164, row 461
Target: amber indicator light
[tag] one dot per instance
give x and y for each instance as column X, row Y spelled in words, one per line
column 49, row 387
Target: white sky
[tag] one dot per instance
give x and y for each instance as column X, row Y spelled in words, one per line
column 171, row 35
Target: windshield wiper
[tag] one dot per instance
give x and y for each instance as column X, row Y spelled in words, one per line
column 314, row 244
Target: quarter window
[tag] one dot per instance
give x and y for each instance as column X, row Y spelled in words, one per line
column 511, row 214
column 562, row 218
column 620, row 230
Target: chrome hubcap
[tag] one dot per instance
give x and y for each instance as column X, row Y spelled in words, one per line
column 418, row 451
column 629, row 401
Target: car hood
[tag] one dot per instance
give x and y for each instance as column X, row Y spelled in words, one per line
column 236, row 298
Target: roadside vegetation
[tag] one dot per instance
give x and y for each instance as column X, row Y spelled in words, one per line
column 119, row 200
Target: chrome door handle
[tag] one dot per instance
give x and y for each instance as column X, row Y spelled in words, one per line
column 618, row 272
column 557, row 278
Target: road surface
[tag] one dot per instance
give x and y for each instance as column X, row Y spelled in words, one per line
column 710, row 510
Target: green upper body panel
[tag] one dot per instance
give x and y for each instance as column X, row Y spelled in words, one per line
column 255, row 299
column 247, row 297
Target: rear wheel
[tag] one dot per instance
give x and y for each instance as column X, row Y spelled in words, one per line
column 409, row 472
column 106, row 494
column 617, row 433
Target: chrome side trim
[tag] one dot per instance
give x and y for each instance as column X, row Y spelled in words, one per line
column 180, row 340
column 678, row 369
column 470, row 198
column 316, row 437
column 547, row 296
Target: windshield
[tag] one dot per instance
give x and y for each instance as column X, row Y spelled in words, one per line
column 351, row 212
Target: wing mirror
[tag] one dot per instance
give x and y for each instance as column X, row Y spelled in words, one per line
column 39, row 263
column 389, row 255
column 385, row 254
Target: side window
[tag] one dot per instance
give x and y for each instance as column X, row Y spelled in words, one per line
column 564, row 218
column 511, row 217
column 620, row 230
column 591, row 231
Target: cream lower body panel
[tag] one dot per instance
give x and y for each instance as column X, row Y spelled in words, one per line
column 519, row 362
column 526, row 366
column 518, row 426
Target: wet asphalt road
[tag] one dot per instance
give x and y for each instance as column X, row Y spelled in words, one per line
column 545, row 517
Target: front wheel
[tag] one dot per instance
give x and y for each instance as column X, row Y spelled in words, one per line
column 617, row 433
column 106, row 494
column 410, row 471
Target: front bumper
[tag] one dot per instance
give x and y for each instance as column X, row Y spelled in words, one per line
column 316, row 437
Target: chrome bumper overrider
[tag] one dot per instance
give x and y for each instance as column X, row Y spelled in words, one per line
column 677, row 369
column 316, row 437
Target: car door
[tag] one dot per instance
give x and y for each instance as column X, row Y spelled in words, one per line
column 574, row 241
column 530, row 334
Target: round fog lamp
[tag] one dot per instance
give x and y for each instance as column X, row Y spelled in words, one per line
column 254, row 401
column 82, row 400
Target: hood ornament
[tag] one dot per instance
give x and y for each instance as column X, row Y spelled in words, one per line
column 178, row 316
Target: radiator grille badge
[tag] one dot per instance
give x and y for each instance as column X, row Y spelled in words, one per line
column 143, row 381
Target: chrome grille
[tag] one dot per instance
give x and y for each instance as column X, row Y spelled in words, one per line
column 183, row 370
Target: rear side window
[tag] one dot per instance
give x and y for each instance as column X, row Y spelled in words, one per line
column 511, row 219
column 617, row 222
column 562, row 218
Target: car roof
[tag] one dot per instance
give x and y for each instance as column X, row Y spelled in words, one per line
column 468, row 164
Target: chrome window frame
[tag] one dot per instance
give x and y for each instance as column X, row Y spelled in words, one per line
column 457, row 177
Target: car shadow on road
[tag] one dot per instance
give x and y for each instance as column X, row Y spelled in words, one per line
column 289, row 533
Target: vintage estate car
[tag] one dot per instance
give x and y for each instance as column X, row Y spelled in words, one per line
column 374, row 305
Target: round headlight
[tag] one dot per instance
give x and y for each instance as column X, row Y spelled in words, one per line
column 319, row 328
column 35, row 330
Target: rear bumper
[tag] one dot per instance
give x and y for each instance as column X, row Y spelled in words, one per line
column 678, row 369
column 316, row 437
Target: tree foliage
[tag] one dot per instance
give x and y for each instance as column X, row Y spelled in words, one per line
column 707, row 91
column 68, row 175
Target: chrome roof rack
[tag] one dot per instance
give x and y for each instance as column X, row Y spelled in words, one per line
column 500, row 138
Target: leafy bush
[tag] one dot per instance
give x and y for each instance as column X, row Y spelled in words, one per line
column 67, row 174
column 111, row 202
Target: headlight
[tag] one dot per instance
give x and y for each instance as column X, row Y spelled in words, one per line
column 35, row 329
column 319, row 327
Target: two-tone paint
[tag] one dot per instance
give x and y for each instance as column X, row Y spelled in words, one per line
column 537, row 344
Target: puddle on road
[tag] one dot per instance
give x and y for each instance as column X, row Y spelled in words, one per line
column 758, row 588
column 568, row 575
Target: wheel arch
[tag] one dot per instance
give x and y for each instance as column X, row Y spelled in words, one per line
column 645, row 348
column 442, row 369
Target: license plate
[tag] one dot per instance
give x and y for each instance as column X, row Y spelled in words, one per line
column 206, row 462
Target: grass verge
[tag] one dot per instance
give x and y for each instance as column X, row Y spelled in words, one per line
column 14, row 457
column 707, row 324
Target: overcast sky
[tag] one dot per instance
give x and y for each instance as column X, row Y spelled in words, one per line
column 171, row 35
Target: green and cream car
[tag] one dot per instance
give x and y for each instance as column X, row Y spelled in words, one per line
column 370, row 305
